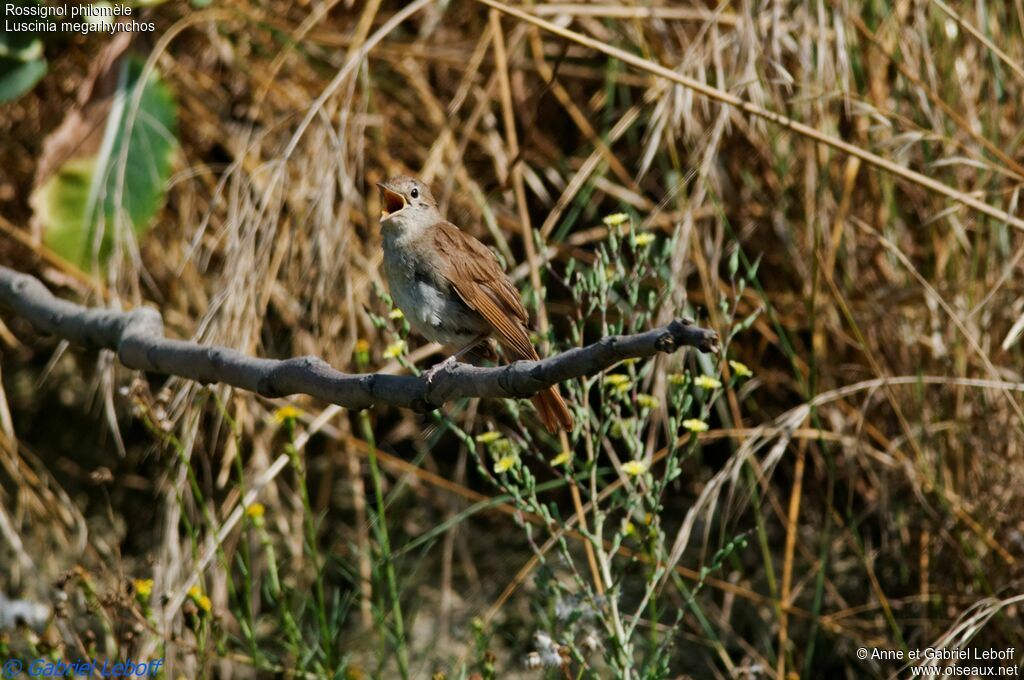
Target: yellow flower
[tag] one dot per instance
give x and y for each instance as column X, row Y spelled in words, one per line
column 488, row 437
column 194, row 593
column 694, row 425
column 395, row 349
column 503, row 447
column 396, row 314
column 255, row 511
column 615, row 219
column 634, row 468
column 505, row 463
column 707, row 382
column 644, row 239
column 562, row 459
column 204, row 603
column 740, row 370
column 629, row 529
column 621, row 427
column 677, row 378
column 355, row 672
column 618, row 382
column 362, row 352
column 647, row 401
column 144, row 587
column 286, row 413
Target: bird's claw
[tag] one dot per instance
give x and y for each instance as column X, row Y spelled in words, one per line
column 432, row 372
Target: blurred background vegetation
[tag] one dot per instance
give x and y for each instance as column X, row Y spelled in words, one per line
column 849, row 473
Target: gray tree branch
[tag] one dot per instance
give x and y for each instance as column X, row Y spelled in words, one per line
column 137, row 336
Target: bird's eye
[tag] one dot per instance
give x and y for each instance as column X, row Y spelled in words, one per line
column 415, row 193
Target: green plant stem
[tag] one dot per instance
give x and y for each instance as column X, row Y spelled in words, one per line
column 380, row 530
column 326, row 641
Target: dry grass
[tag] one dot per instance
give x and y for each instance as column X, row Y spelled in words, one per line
column 865, row 155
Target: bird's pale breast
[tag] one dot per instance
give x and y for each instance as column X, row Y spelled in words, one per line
column 427, row 300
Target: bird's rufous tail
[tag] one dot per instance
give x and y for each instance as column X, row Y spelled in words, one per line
column 552, row 410
column 549, row 404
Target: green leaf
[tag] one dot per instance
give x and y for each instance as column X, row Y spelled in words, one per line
column 21, row 46
column 125, row 180
column 21, row 63
column 62, row 198
column 18, row 77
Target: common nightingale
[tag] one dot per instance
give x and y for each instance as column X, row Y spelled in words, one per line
column 451, row 288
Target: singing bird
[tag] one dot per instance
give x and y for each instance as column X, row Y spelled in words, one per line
column 451, row 288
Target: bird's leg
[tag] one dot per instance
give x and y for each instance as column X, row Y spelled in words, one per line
column 433, row 370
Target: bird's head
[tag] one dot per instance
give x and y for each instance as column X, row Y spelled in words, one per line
column 405, row 201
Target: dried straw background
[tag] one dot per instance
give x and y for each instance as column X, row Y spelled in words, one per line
column 269, row 243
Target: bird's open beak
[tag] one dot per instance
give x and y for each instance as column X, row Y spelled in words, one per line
column 391, row 202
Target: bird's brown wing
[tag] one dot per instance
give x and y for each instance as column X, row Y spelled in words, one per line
column 479, row 280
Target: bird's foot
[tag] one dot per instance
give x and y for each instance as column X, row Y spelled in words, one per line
column 432, row 372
